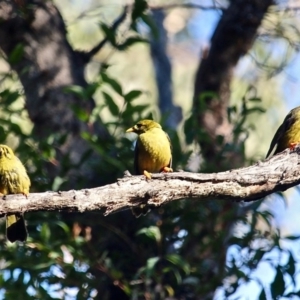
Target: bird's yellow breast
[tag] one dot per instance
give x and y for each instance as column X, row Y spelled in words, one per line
column 154, row 151
column 13, row 177
column 292, row 135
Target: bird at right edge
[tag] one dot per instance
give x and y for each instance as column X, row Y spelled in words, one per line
column 152, row 153
column 288, row 133
column 13, row 180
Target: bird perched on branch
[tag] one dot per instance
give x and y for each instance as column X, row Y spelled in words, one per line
column 152, row 153
column 288, row 133
column 13, row 180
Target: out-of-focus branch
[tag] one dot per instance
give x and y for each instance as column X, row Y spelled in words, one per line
column 233, row 37
column 163, row 72
column 87, row 56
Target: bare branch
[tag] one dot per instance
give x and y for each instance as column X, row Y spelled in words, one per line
column 98, row 47
column 245, row 184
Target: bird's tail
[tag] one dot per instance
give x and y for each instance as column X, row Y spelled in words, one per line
column 16, row 228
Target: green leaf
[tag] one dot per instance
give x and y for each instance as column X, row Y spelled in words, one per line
column 16, row 54
column 91, row 89
column 278, row 285
column 175, row 272
column 151, row 262
column 262, row 295
column 289, row 295
column 204, row 97
column 139, row 108
column 9, row 96
column 292, row 237
column 153, row 232
column 43, row 266
column 109, row 33
column 113, row 83
column 138, row 9
column 255, row 99
column 57, row 182
column 112, row 106
column 178, row 261
column 15, row 128
column 2, row 135
column 290, row 267
column 64, row 226
column 189, row 129
column 54, row 255
column 80, row 113
column 76, row 90
column 132, row 95
column 45, row 232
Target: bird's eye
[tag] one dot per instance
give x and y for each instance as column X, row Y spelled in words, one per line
column 139, row 125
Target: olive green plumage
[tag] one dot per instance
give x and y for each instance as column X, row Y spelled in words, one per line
column 288, row 133
column 13, row 180
column 152, row 152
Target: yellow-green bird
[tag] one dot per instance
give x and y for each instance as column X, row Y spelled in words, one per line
column 13, row 180
column 288, row 133
column 152, row 153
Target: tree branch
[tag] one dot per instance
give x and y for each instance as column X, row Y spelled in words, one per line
column 88, row 55
column 186, row 5
column 245, row 184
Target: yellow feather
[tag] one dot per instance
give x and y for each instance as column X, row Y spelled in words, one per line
column 152, row 152
column 13, row 180
column 288, row 133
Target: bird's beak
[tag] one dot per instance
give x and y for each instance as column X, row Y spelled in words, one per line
column 130, row 130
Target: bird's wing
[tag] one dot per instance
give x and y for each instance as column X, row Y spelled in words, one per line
column 287, row 123
column 12, row 180
column 170, row 163
column 16, row 179
column 136, row 161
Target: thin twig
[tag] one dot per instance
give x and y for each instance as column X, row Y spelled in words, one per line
column 88, row 55
column 186, row 5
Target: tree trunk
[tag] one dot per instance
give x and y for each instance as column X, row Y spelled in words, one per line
column 47, row 66
column 163, row 72
column 233, row 38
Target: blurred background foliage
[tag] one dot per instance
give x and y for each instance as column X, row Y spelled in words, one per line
column 183, row 250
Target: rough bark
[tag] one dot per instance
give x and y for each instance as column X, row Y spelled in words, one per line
column 245, row 184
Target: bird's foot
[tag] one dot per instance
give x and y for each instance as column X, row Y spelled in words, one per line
column 293, row 145
column 143, row 209
column 147, row 174
column 167, row 170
